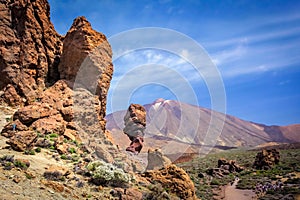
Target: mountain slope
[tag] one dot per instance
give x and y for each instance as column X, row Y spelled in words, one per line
column 180, row 123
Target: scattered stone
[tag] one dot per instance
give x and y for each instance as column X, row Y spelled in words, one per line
column 56, row 186
column 56, row 173
column 128, row 193
column 224, row 168
column 156, row 159
column 229, row 165
column 266, row 159
column 43, row 142
column 17, row 179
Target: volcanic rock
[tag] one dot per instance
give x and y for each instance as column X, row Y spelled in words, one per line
column 266, row 159
column 173, row 178
column 135, row 125
column 10, row 128
column 55, row 173
column 87, row 61
column 224, row 168
column 29, row 50
column 22, row 140
column 156, row 159
column 30, row 113
column 229, row 165
column 128, row 193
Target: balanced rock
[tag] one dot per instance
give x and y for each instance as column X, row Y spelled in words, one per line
column 266, row 159
column 135, row 125
column 29, row 50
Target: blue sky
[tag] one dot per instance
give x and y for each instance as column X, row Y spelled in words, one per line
column 255, row 45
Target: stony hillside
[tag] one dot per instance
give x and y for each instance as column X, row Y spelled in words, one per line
column 187, row 126
column 54, row 143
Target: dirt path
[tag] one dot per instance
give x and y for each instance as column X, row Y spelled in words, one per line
column 231, row 193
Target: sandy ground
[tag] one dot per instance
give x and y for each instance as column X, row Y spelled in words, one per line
column 231, row 193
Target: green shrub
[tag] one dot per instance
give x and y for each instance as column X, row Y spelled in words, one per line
column 215, row 182
column 53, row 135
column 107, row 174
column 38, row 150
column 20, row 164
column 72, row 150
column 30, row 152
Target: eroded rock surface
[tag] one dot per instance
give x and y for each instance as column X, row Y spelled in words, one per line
column 156, row 159
column 225, row 167
column 135, row 125
column 174, row 178
column 266, row 159
column 87, row 61
column 30, row 49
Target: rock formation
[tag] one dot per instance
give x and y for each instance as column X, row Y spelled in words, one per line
column 174, row 178
column 86, row 60
column 135, row 125
column 30, row 49
column 225, row 167
column 59, row 84
column 266, row 159
column 156, row 159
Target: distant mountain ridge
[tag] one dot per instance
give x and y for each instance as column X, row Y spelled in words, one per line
column 169, row 120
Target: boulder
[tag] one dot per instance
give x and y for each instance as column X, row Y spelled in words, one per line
column 266, row 159
column 22, row 140
column 175, row 179
column 10, row 129
column 128, row 193
column 156, row 159
column 224, row 168
column 56, row 173
column 229, row 165
column 28, row 114
column 48, row 125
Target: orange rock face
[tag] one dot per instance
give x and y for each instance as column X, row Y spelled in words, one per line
column 174, row 178
column 59, row 83
column 87, row 61
column 29, row 50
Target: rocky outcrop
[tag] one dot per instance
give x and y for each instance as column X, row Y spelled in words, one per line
column 33, row 61
column 29, row 50
column 61, row 111
column 266, row 159
column 224, row 168
column 175, row 179
column 135, row 125
column 87, row 61
column 156, row 159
